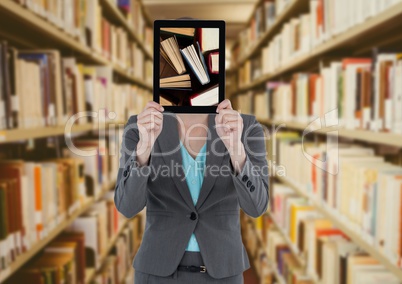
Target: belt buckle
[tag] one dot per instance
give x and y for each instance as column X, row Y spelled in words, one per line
column 203, row 269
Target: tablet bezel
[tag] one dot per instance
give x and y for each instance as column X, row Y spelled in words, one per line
column 158, row 24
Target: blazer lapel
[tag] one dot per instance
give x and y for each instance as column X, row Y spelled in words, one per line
column 215, row 153
column 169, row 144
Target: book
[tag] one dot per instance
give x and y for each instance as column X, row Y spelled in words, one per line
column 170, row 51
column 195, row 60
column 206, row 98
column 180, row 81
column 78, row 238
column 213, row 62
column 180, row 31
column 209, row 39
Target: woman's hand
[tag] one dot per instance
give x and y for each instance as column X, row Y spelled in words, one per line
column 229, row 126
column 150, row 122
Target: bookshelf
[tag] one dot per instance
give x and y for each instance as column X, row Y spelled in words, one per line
column 355, row 38
column 279, row 278
column 292, row 9
column 292, row 247
column 24, row 29
column 25, row 257
column 91, row 272
column 114, row 13
column 389, row 139
column 27, row 21
column 378, row 30
column 13, row 135
column 350, row 232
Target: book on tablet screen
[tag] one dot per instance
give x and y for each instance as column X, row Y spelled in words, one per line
column 189, row 64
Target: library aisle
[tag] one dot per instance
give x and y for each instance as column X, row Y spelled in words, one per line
column 323, row 77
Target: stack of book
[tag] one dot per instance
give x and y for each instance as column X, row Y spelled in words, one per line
column 301, row 238
column 325, row 20
column 357, row 93
column 189, row 66
column 98, row 247
column 42, row 88
column 360, row 187
column 261, row 21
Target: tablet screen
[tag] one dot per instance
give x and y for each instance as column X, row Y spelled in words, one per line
column 190, row 57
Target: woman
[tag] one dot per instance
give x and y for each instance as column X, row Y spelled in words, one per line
column 192, row 232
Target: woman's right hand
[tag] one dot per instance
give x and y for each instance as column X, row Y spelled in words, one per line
column 149, row 122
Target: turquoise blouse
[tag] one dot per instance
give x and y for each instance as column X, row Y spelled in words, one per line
column 194, row 172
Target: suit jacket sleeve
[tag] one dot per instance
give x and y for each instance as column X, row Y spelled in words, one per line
column 132, row 179
column 252, row 182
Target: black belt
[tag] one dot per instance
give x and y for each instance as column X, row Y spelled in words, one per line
column 192, row 268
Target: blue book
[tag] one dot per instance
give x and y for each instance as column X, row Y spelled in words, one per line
column 192, row 63
column 124, row 5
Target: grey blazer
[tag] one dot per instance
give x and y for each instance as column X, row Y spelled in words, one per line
column 171, row 216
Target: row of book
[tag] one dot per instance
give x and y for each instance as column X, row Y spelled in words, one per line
column 355, row 93
column 83, row 20
column 134, row 13
column 42, row 88
column 256, row 250
column 352, row 182
column 302, row 34
column 300, row 240
column 294, row 244
column 263, row 18
column 82, row 247
column 37, row 196
column 321, row 253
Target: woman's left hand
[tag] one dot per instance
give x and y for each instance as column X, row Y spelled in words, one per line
column 229, row 126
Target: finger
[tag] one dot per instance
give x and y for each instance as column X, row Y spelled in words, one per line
column 225, row 104
column 151, row 117
column 150, row 126
column 230, row 117
column 224, row 112
column 154, row 105
column 232, row 125
column 156, row 122
column 148, row 111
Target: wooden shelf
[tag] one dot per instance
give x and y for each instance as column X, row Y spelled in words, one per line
column 292, row 246
column 273, row 267
column 57, row 37
column 25, row 257
column 113, row 11
column 294, row 8
column 137, row 81
column 355, row 237
column 359, row 34
column 112, row 242
column 383, row 138
column 13, row 135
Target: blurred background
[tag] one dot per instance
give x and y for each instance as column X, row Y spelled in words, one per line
column 323, row 77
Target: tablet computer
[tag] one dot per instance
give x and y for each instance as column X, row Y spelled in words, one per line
column 189, row 65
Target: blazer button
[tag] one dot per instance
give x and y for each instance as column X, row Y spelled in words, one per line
column 252, row 188
column 249, row 183
column 244, row 178
column 125, row 173
column 193, row 216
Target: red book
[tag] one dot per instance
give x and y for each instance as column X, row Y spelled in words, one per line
column 349, row 61
column 312, row 82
